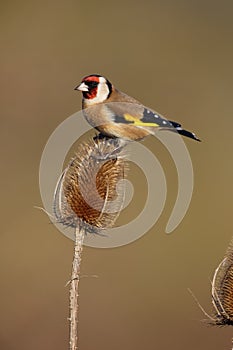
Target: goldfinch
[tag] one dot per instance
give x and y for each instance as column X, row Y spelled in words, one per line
column 115, row 114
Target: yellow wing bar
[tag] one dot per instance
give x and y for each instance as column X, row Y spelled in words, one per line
column 136, row 121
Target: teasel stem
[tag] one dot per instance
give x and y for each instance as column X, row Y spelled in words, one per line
column 74, row 287
column 88, row 199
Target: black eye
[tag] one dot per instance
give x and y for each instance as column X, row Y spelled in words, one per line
column 92, row 84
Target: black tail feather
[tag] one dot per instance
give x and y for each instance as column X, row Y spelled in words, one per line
column 177, row 128
column 186, row 133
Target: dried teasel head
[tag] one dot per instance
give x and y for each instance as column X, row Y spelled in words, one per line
column 222, row 292
column 89, row 191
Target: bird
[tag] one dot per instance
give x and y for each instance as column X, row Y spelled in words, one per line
column 117, row 115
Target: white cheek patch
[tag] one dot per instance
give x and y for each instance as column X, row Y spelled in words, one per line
column 102, row 93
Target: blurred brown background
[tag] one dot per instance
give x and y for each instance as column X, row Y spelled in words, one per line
column 175, row 57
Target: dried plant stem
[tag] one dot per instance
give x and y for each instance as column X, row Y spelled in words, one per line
column 74, row 285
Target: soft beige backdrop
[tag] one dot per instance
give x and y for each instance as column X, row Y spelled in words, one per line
column 176, row 56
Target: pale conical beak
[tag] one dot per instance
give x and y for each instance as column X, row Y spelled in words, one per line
column 82, row 87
